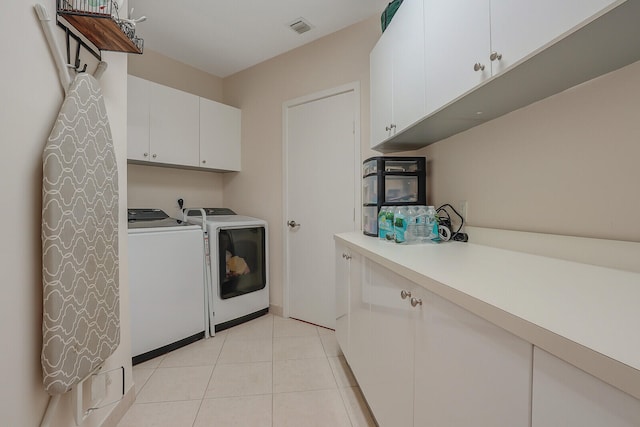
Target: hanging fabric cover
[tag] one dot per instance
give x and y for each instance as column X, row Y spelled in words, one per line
column 81, row 307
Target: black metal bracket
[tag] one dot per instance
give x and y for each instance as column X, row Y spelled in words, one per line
column 79, row 43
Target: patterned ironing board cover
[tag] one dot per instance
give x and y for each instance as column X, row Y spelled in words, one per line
column 81, row 306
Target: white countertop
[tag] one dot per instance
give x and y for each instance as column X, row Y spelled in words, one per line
column 584, row 314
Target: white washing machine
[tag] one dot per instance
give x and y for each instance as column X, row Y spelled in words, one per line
column 239, row 282
column 166, row 283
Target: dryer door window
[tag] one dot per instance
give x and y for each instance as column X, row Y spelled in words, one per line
column 242, row 253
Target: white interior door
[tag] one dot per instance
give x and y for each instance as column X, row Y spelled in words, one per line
column 320, row 158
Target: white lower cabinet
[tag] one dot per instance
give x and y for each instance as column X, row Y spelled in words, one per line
column 563, row 395
column 468, row 372
column 388, row 385
column 359, row 345
column 422, row 361
column 347, row 265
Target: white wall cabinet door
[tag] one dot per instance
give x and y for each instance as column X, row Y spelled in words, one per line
column 137, row 118
column 563, row 395
column 457, row 36
column 468, row 372
column 220, row 130
column 174, row 126
column 381, row 75
column 389, row 388
column 518, row 28
column 397, row 65
column 407, row 43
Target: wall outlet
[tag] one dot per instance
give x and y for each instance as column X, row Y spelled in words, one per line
column 99, row 384
column 463, row 209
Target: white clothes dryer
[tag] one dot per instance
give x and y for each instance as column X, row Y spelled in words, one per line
column 239, row 285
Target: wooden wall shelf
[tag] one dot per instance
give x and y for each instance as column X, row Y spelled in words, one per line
column 101, row 31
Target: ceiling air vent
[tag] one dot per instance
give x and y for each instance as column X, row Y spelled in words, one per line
column 300, row 26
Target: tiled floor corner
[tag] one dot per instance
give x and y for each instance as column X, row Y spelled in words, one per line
column 270, row 372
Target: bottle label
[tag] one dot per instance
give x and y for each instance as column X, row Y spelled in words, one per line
column 400, row 224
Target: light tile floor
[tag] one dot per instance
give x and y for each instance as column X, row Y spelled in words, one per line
column 270, row 372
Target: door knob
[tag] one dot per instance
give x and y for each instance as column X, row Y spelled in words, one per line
column 293, row 224
column 495, row 55
column 415, row 302
column 405, row 294
column 478, row 67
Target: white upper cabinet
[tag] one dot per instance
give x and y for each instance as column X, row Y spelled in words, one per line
column 408, row 64
column 137, row 118
column 457, row 40
column 220, row 129
column 468, row 42
column 397, row 73
column 518, row 28
column 485, row 58
column 381, row 75
column 563, row 395
column 173, row 126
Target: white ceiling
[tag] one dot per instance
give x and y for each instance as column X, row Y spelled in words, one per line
column 223, row 37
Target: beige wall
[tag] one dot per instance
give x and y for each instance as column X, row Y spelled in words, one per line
column 160, row 187
column 260, row 92
column 565, row 165
column 31, row 98
column 163, row 70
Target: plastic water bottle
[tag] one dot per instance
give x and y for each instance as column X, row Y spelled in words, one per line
column 385, row 223
column 432, row 224
column 383, row 228
column 411, row 233
column 389, row 224
column 400, row 224
column 422, row 230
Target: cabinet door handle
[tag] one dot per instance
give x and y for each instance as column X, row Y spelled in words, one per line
column 416, row 301
column 390, row 127
column 204, row 162
column 405, row 294
column 346, row 256
column 146, row 154
column 495, row 55
column 478, row 67
column 154, row 155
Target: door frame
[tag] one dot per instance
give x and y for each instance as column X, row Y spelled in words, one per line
column 349, row 87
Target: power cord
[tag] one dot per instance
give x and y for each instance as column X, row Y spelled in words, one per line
column 446, row 221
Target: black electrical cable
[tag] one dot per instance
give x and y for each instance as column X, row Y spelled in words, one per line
column 457, row 235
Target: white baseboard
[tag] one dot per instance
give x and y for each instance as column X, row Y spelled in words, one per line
column 606, row 253
column 276, row 310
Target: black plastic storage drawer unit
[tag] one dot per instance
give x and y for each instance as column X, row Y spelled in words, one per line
column 391, row 181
